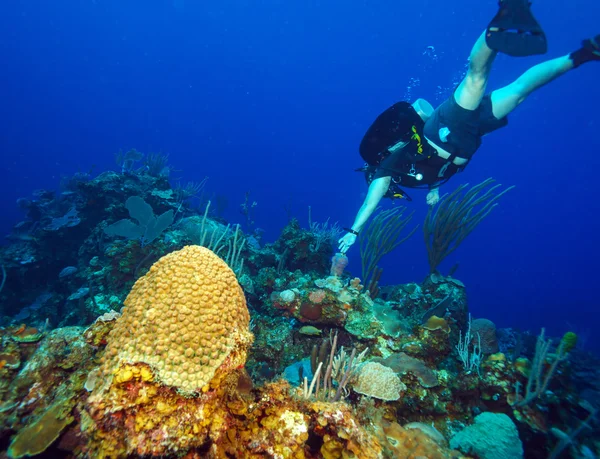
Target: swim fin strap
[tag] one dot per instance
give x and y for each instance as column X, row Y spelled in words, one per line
column 514, row 30
column 589, row 51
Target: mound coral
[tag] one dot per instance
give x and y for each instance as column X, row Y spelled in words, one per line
column 184, row 318
column 171, row 360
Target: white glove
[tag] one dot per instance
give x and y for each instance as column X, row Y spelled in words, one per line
column 346, row 241
column 433, row 197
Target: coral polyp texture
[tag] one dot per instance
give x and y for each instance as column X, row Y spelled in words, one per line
column 184, row 318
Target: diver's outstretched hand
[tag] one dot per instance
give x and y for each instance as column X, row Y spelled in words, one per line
column 346, row 241
column 433, row 197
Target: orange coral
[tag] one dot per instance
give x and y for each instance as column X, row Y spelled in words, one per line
column 184, row 318
column 20, row 330
column 10, row 360
column 27, row 335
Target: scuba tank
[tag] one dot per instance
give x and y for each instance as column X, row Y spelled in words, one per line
column 397, row 131
column 399, row 128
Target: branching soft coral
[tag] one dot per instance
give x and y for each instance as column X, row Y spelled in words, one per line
column 455, row 217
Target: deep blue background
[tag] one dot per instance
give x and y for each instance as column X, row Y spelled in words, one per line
column 273, row 96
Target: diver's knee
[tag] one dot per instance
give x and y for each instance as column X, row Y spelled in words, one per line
column 478, row 70
column 518, row 91
column 476, row 82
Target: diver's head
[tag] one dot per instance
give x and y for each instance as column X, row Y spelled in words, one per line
column 423, row 108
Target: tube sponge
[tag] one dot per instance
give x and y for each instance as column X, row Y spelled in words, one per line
column 338, row 263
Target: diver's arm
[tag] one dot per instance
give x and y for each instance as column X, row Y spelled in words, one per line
column 377, row 190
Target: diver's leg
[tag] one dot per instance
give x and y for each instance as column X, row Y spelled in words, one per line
column 505, row 100
column 472, row 88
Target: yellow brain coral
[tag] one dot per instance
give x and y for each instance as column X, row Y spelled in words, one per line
column 184, row 318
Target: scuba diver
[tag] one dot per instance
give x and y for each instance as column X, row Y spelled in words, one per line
column 415, row 146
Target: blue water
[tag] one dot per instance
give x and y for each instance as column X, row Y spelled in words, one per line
column 273, row 97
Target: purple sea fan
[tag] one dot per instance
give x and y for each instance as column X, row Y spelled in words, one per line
column 338, row 263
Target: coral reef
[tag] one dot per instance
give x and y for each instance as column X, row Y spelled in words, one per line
column 194, row 340
column 327, row 303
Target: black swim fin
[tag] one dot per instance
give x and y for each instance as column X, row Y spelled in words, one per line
column 514, row 30
column 589, row 51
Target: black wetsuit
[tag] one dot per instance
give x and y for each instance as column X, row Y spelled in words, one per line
column 412, row 165
column 429, row 172
column 417, row 164
column 465, row 128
